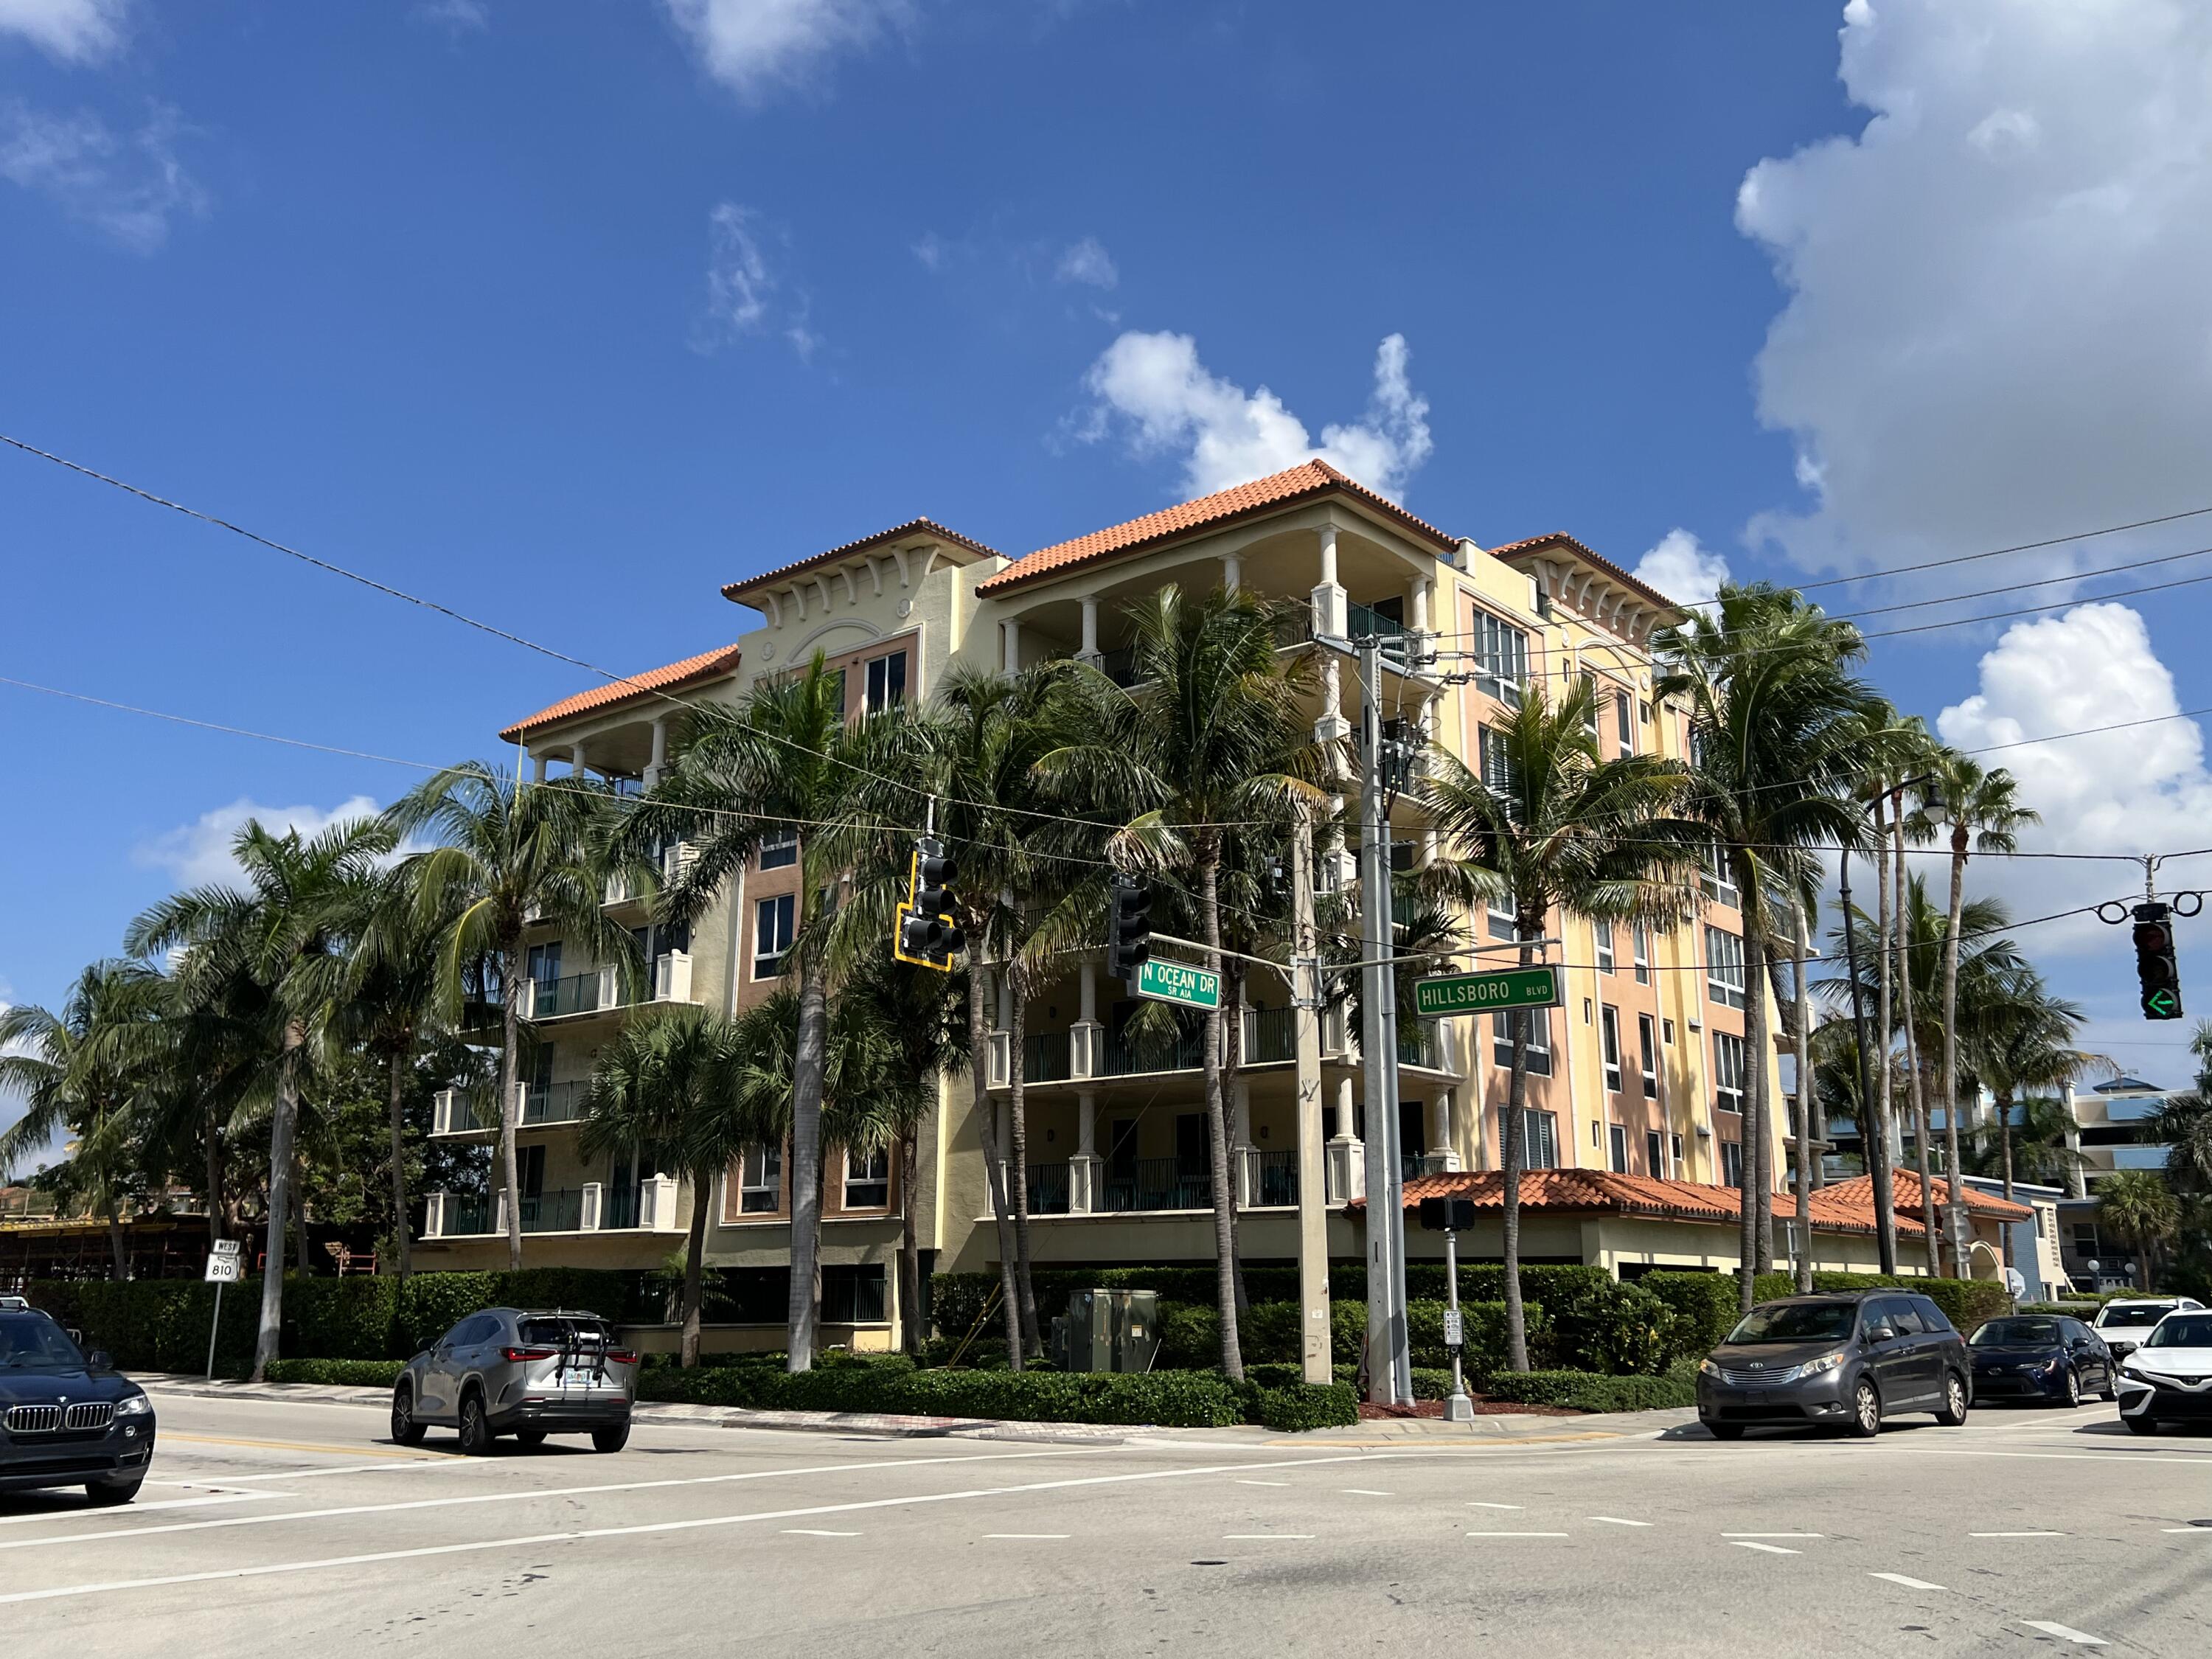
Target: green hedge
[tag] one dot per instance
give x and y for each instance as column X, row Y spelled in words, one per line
column 1171, row 1399
column 1587, row 1391
column 1305, row 1406
column 346, row 1373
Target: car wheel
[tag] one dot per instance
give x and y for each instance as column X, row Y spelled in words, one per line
column 476, row 1428
column 2140, row 1424
column 1866, row 1411
column 531, row 1436
column 107, row 1497
column 406, row 1431
column 1726, row 1430
column 1955, row 1401
column 2071, row 1393
column 611, row 1440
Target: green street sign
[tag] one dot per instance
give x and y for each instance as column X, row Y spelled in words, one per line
column 1480, row 993
column 2161, row 1005
column 1178, row 982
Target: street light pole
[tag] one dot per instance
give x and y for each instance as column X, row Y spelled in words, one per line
column 1390, row 1366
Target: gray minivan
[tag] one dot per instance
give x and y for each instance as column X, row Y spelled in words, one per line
column 509, row 1370
column 1844, row 1361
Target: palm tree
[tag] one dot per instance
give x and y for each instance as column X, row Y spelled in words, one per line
column 277, row 933
column 2016, row 1038
column 2137, row 1205
column 1559, row 832
column 665, row 1086
column 1777, row 726
column 787, row 757
column 1985, row 814
column 510, row 855
column 1212, row 734
column 81, row 1074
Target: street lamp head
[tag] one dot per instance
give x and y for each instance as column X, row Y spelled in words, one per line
column 1931, row 799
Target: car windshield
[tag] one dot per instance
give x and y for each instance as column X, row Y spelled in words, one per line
column 1796, row 1322
column 2183, row 1330
column 2134, row 1313
column 2016, row 1332
column 34, row 1342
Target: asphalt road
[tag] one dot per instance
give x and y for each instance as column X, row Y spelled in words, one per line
column 272, row 1526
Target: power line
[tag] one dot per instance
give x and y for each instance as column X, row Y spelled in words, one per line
column 1999, row 552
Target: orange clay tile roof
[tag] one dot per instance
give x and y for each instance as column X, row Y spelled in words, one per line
column 1905, row 1184
column 1300, row 483
column 706, row 665
column 738, row 590
column 1512, row 550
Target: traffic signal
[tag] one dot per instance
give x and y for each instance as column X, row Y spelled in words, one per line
column 927, row 935
column 2156, row 969
column 1130, row 931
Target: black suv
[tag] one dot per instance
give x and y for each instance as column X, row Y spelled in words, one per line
column 67, row 1420
column 1846, row 1361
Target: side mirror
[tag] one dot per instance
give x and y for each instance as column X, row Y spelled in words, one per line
column 98, row 1360
column 1882, row 1333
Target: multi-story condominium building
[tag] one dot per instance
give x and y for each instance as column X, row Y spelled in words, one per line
column 1639, row 1077
column 2112, row 1132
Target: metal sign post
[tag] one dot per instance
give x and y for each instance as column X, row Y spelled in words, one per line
column 224, row 1266
column 1449, row 1216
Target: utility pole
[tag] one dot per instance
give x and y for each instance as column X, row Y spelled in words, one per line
column 1313, row 1173
column 1389, row 1362
column 1877, row 1120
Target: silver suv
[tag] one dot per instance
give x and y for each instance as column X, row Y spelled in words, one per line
column 507, row 1370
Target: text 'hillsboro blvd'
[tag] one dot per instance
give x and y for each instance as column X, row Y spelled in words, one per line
column 1477, row 994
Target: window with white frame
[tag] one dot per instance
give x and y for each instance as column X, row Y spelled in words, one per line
column 1624, row 723
column 1724, row 968
column 867, row 1179
column 779, row 849
column 760, row 1181
column 774, row 922
column 1501, row 658
column 885, row 683
column 1731, row 1164
column 1655, row 1154
column 1617, row 1145
column 1540, row 1039
column 1496, row 757
column 1647, row 1057
column 1608, row 1023
column 1717, row 878
column 1539, row 1138
column 1589, row 714
column 1601, row 935
column 1639, row 946
column 1728, row 1072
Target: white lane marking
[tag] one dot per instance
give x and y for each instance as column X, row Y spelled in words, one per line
column 1493, row 1506
column 1263, row 1483
column 1248, row 1537
column 2015, row 1535
column 1908, row 1583
column 517, row 1497
column 1025, row 1534
column 319, row 1470
column 816, row 1532
column 1365, row 1491
column 1774, row 1534
column 136, row 1509
column 2203, row 1532
column 1770, row 1549
column 2066, row 1633
column 1516, row 1535
column 2180, row 1462
column 583, row 1534
column 1616, row 1521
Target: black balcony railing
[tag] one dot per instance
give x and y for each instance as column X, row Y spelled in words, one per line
column 1416, row 1045
column 1183, row 1052
column 1156, row 1183
column 1275, row 1178
column 1410, row 1165
column 1294, row 627
column 1047, row 1188
column 1120, row 665
column 1044, row 1057
column 467, row 1216
column 1270, row 1034
column 561, row 1210
column 1361, row 620
column 619, row 1202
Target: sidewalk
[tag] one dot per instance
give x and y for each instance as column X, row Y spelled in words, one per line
column 1517, row 1429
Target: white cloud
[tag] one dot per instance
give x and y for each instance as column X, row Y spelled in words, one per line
column 753, row 45
column 198, row 854
column 1683, row 568
column 130, row 186
column 1153, row 387
column 456, row 17
column 2142, row 790
column 1997, row 327
column 1088, row 261
column 746, row 292
column 931, row 251
column 75, row 31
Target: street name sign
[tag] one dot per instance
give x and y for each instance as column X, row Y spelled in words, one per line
column 1480, row 993
column 1178, row 982
column 225, row 1269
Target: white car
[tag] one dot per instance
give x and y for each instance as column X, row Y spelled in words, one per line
column 2169, row 1378
column 2126, row 1324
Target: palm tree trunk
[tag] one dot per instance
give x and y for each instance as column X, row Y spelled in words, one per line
column 1956, row 1207
column 695, row 1259
column 909, row 1261
column 115, row 1240
column 1513, row 1154
column 1017, row 1164
column 995, row 1171
column 2004, row 1141
column 806, row 1081
column 1884, row 1105
column 1233, row 1062
column 305, row 1263
column 510, row 1064
column 1912, row 1033
column 218, row 1217
column 1217, row 1127
column 1802, row 1040
column 1751, row 1245
column 399, row 1227
column 283, row 1122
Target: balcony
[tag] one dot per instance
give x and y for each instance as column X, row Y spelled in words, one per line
column 600, row 990
column 1132, row 1056
column 1272, row 1178
column 465, row 1112
column 648, row 1205
column 1271, row 1035
column 1418, row 1046
column 1048, row 1185
column 1154, row 1183
column 1045, row 1057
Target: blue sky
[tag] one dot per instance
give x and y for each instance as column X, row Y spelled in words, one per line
column 568, row 313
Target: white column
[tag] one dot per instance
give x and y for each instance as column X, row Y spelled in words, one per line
column 1084, row 1168
column 660, row 752
column 2078, row 1183
column 1232, row 572
column 1443, row 1151
column 576, row 759
column 1086, row 1041
column 1011, row 631
column 537, row 768
column 1327, row 597
column 1328, row 555
column 1089, row 651
column 1240, row 1144
column 1347, row 1155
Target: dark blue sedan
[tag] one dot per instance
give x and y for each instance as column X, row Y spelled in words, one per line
column 2046, row 1357
column 67, row 1420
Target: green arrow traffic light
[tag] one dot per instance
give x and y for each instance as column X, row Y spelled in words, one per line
column 2161, row 1005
